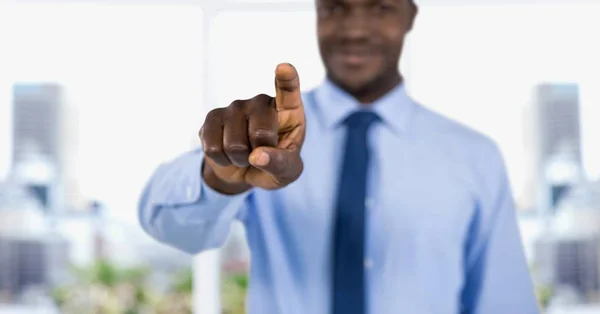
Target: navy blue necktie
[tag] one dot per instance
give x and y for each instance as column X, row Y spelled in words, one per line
column 349, row 229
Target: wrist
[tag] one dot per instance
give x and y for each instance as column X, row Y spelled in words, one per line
column 219, row 185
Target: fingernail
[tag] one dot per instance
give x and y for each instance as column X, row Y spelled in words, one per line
column 261, row 159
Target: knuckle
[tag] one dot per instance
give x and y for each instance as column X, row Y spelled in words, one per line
column 262, row 97
column 215, row 113
column 289, row 85
column 212, row 150
column 263, row 135
column 236, row 149
column 237, row 105
column 262, row 100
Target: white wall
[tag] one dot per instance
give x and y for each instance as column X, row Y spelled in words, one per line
column 245, row 57
column 478, row 64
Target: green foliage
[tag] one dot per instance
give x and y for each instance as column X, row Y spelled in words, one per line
column 183, row 282
column 105, row 273
column 544, row 295
column 233, row 292
column 105, row 288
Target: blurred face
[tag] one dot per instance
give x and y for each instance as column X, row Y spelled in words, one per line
column 360, row 41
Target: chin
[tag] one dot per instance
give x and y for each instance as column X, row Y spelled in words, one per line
column 353, row 83
column 354, row 78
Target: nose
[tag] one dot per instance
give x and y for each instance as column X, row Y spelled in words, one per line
column 356, row 25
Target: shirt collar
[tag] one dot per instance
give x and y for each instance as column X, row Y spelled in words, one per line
column 334, row 105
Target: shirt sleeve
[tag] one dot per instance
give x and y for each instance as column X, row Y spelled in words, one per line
column 178, row 209
column 497, row 274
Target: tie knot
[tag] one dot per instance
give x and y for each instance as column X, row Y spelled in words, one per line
column 361, row 119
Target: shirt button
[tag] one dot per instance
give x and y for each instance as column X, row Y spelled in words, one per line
column 368, row 263
column 369, row 202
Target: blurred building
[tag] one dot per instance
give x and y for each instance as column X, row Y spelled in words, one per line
column 37, row 120
column 579, row 212
column 31, row 263
column 31, row 255
column 45, row 128
column 555, row 143
column 38, row 174
column 571, row 263
column 20, row 211
column 568, row 255
column 558, row 119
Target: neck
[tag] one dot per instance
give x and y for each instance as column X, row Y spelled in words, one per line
column 371, row 92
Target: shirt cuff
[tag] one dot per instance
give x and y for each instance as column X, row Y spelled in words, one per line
column 220, row 206
column 180, row 184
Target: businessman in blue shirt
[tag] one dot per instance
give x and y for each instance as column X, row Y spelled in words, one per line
column 355, row 198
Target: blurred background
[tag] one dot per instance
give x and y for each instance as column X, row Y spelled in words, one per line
column 94, row 94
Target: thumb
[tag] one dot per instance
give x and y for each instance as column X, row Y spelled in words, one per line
column 283, row 165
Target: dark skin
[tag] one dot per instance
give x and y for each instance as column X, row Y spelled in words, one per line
column 361, row 41
column 257, row 142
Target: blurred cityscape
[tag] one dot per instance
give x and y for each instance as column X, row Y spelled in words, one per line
column 66, row 248
column 565, row 257
column 55, row 242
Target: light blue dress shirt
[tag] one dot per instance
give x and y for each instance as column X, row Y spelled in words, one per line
column 442, row 234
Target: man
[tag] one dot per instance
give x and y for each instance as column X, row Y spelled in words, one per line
column 355, row 198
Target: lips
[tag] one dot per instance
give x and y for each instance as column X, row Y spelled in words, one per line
column 354, row 57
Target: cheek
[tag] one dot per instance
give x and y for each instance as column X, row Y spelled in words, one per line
column 395, row 42
column 325, row 32
column 324, row 42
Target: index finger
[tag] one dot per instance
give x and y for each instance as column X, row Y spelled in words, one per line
column 287, row 87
